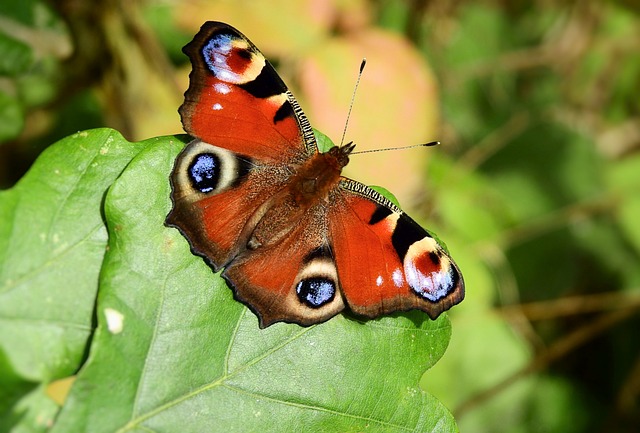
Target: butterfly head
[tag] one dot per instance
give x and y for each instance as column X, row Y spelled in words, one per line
column 341, row 153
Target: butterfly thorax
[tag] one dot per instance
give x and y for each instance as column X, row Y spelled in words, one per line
column 320, row 174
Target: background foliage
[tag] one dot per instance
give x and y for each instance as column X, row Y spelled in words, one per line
column 534, row 188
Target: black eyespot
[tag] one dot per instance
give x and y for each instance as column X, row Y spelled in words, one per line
column 315, row 292
column 204, row 172
column 435, row 258
column 437, row 285
column 406, row 233
column 244, row 53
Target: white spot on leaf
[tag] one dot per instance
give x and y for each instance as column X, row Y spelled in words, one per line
column 115, row 320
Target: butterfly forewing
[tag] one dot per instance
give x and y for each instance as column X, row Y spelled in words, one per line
column 236, row 99
column 387, row 262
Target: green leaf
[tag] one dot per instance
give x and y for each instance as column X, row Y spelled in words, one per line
column 11, row 117
column 385, row 192
column 33, row 411
column 324, row 142
column 52, row 241
column 15, row 56
column 174, row 351
column 623, row 179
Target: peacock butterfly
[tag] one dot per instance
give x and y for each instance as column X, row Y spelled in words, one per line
column 253, row 195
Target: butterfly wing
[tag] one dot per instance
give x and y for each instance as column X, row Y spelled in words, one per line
column 236, row 99
column 292, row 280
column 250, row 133
column 387, row 262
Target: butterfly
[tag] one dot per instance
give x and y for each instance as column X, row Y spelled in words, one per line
column 252, row 194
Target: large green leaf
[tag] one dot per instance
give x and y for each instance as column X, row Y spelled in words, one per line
column 173, row 351
column 52, row 242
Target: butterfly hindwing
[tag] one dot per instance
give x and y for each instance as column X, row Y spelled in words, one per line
column 215, row 194
column 293, row 280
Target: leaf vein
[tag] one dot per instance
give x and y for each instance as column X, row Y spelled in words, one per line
column 320, row 409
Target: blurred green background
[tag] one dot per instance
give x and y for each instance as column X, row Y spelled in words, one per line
column 535, row 188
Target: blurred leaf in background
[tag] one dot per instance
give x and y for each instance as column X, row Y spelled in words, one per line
column 535, row 188
column 529, row 92
column 33, row 42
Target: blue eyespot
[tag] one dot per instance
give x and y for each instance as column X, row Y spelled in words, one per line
column 204, row 172
column 216, row 50
column 315, row 292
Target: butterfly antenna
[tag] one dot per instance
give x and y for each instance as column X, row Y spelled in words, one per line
column 431, row 143
column 353, row 98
